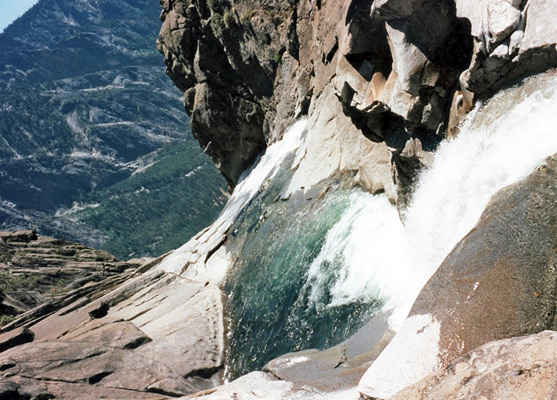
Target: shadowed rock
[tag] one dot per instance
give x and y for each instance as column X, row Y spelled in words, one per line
column 15, row 338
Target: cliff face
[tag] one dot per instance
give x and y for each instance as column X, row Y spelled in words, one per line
column 290, row 53
column 209, row 49
column 404, row 73
column 381, row 84
column 373, row 88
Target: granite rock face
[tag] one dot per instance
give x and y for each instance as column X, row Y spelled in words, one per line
column 38, row 269
column 393, row 79
column 398, row 74
column 511, row 39
column 111, row 329
column 516, row 368
column 374, row 82
column 498, row 282
column 405, row 73
column 142, row 334
column 210, row 49
column 270, row 63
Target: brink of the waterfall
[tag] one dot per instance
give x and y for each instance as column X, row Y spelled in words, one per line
column 391, row 223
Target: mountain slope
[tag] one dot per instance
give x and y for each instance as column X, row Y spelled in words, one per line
column 84, row 104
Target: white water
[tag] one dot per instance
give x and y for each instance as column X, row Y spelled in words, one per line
column 265, row 169
column 501, row 143
column 250, row 184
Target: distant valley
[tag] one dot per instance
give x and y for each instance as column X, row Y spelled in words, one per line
column 88, row 120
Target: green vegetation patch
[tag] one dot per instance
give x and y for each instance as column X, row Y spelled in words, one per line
column 9, row 283
column 161, row 208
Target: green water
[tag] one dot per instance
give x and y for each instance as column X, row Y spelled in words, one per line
column 268, row 308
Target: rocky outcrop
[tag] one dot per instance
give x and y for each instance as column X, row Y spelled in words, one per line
column 142, row 334
column 394, row 66
column 403, row 96
column 508, row 42
column 516, row 368
column 498, row 282
column 36, row 269
column 109, row 329
column 380, row 84
column 281, row 59
column 372, row 84
column 210, row 49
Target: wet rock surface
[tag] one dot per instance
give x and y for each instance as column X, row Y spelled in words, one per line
column 337, row 368
column 498, row 282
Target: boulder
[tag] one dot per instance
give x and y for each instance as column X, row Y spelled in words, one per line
column 515, row 368
column 337, row 368
column 498, row 282
column 504, row 17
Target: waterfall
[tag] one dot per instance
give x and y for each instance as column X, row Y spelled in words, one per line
column 264, row 169
column 501, row 142
column 250, row 184
column 310, row 273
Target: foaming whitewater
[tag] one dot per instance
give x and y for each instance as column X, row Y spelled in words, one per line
column 501, row 142
column 363, row 236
